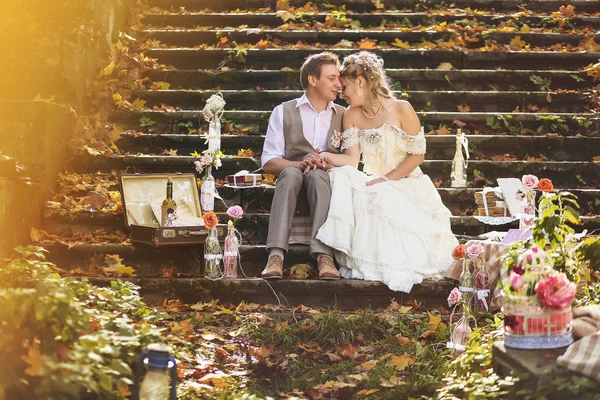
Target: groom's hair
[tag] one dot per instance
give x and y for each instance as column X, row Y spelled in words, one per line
column 312, row 66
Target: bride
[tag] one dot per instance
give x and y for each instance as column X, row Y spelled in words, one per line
column 388, row 223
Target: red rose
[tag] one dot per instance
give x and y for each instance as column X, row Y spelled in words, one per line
column 210, row 219
column 545, row 185
column 459, row 252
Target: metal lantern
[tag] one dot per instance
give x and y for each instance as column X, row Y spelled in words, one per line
column 155, row 384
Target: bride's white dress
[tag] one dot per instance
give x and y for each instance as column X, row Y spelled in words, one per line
column 396, row 232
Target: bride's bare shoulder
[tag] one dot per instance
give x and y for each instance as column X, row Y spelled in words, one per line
column 404, row 107
column 350, row 117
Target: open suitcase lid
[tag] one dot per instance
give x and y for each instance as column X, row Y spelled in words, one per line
column 143, row 194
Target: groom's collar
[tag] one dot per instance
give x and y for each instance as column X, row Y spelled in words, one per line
column 304, row 100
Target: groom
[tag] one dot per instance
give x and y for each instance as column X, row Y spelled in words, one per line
column 298, row 130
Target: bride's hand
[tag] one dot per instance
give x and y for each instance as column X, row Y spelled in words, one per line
column 375, row 181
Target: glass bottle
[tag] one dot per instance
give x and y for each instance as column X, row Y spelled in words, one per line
column 169, row 207
column 207, row 191
column 467, row 285
column 212, row 256
column 214, row 134
column 459, row 164
column 231, row 256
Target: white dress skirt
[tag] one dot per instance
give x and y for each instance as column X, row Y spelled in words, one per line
column 396, row 232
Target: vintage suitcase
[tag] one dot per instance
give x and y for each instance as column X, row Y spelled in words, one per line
column 142, row 196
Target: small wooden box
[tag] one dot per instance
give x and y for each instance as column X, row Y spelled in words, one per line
column 141, row 192
column 245, row 180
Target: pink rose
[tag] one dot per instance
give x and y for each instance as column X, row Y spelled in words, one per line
column 556, row 291
column 529, row 182
column 454, row 297
column 235, row 212
column 474, row 250
column 516, row 281
column 206, row 159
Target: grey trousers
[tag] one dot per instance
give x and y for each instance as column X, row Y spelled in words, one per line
column 283, row 208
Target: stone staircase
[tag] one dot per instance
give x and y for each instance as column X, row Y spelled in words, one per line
column 509, row 72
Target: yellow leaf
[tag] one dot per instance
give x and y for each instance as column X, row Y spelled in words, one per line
column 525, row 29
column 162, row 85
column 112, row 259
column 245, row 153
column 401, row 362
column 35, row 235
column 400, row 44
column 378, row 4
column 109, row 68
column 445, row 66
column 517, row 44
column 171, row 152
column 119, row 100
column 464, row 108
column 123, row 270
column 549, row 97
column 35, row 360
column 262, row 44
column 300, row 271
column 366, row 392
column 139, row 103
column 344, row 43
column 282, row 5
column 285, row 15
column 367, row 44
column 434, row 321
column 268, row 179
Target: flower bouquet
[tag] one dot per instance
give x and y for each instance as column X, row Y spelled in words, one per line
column 527, row 196
column 212, row 111
column 208, row 159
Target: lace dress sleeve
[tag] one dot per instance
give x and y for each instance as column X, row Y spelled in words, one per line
column 348, row 138
column 411, row 144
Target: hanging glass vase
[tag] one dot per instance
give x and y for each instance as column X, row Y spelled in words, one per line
column 482, row 289
column 231, row 257
column 459, row 334
column 212, row 256
column 214, row 134
column 207, row 191
column 527, row 216
column 467, row 285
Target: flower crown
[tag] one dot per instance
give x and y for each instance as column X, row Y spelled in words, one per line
column 366, row 60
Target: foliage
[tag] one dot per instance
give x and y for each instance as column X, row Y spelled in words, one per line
column 541, row 82
column 66, row 338
column 471, row 376
column 554, row 123
column 552, row 229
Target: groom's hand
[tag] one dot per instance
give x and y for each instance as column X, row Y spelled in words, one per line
column 312, row 161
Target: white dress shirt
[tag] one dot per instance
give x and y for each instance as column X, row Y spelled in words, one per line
column 315, row 127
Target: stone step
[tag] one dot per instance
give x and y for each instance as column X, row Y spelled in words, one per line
column 255, row 122
column 190, row 58
column 439, row 147
column 562, row 173
column 254, row 226
column 407, row 79
column 361, row 5
column 372, row 19
column 486, row 101
column 345, row 294
column 460, row 201
column 210, row 37
column 146, row 164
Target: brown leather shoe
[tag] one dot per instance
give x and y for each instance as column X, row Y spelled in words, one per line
column 274, row 269
column 327, row 269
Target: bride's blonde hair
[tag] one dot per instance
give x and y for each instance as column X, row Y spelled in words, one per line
column 370, row 67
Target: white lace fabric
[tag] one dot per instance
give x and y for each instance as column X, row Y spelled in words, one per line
column 397, row 232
